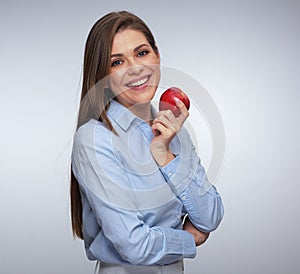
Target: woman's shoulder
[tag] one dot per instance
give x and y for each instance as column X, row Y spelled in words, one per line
column 184, row 134
column 90, row 132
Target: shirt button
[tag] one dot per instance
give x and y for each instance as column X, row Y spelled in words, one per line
column 183, row 197
column 170, row 173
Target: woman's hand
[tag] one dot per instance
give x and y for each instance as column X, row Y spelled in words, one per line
column 199, row 236
column 165, row 126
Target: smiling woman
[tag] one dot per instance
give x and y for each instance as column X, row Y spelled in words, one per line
column 134, row 74
column 140, row 198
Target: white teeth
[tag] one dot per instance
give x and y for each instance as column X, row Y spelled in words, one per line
column 138, row 83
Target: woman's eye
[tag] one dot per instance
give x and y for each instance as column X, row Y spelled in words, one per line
column 143, row 53
column 116, row 63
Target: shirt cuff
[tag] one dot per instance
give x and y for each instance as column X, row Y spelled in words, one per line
column 179, row 238
column 179, row 173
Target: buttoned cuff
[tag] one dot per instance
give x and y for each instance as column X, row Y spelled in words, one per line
column 179, row 242
column 179, row 173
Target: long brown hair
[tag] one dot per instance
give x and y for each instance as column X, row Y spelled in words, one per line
column 95, row 96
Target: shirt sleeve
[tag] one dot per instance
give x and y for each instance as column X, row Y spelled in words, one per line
column 134, row 240
column 188, row 180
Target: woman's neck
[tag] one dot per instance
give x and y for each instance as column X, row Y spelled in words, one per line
column 142, row 111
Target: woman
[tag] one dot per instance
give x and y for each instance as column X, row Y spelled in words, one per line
column 135, row 173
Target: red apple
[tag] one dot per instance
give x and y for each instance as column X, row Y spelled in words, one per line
column 167, row 100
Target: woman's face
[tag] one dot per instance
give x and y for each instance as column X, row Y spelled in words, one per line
column 134, row 70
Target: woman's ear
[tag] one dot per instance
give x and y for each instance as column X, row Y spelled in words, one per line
column 157, row 52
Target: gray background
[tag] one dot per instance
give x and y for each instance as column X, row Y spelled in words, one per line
column 246, row 53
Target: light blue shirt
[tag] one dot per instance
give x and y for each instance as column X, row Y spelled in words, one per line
column 132, row 208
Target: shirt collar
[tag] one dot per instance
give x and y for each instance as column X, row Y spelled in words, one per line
column 122, row 115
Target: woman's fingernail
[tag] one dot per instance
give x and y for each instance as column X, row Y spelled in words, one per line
column 176, row 100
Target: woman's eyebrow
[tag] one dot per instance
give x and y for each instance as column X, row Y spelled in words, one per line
column 140, row 46
column 135, row 49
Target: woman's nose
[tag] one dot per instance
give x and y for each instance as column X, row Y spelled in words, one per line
column 135, row 68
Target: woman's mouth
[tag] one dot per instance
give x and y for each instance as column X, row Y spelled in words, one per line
column 139, row 82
